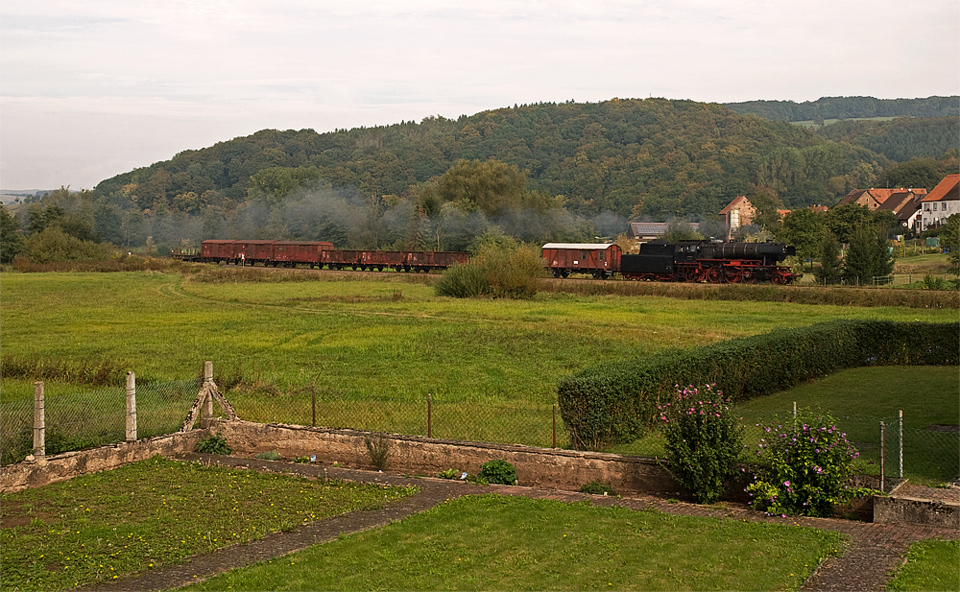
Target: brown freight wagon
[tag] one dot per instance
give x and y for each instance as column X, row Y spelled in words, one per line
column 292, row 253
column 217, row 251
column 598, row 259
column 427, row 260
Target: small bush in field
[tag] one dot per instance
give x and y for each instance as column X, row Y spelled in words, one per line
column 807, row 462
column 703, row 441
column 500, row 268
column 498, row 471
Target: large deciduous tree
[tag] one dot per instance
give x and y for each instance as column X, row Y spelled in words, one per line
column 489, row 186
column 805, row 230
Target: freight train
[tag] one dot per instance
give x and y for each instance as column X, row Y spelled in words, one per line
column 270, row 253
column 685, row 261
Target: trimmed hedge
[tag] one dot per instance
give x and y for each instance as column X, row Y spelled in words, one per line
column 614, row 402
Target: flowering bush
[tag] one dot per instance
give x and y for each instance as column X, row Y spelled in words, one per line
column 807, row 462
column 703, row 440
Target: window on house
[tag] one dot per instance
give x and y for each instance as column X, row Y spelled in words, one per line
column 934, row 207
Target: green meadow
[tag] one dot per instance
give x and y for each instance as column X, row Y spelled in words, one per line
column 368, row 349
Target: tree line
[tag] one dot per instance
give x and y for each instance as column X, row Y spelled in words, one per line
column 850, row 108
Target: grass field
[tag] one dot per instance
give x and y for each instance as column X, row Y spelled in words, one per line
column 370, row 350
column 97, row 527
column 505, row 543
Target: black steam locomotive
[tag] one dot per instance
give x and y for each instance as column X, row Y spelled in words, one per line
column 684, row 261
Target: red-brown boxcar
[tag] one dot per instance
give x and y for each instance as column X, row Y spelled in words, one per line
column 215, row 251
column 251, row 252
column 380, row 260
column 599, row 259
column 427, row 260
column 292, row 253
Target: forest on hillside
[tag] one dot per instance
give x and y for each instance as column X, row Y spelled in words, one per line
column 541, row 172
column 849, row 108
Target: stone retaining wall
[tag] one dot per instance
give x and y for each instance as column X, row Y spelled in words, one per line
column 906, row 510
column 537, row 467
column 61, row 467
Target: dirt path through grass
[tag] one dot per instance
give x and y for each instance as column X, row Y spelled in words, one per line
column 874, row 552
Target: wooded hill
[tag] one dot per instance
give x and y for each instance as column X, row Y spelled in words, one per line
column 850, row 108
column 650, row 159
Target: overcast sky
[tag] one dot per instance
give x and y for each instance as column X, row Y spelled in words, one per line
column 96, row 88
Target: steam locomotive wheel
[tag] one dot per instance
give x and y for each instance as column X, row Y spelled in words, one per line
column 732, row 275
column 690, row 274
column 713, row 275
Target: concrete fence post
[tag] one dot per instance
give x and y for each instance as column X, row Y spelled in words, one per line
column 39, row 422
column 206, row 416
column 882, row 454
column 900, row 443
column 131, row 407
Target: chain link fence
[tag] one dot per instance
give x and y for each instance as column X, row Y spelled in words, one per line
column 78, row 419
column 436, row 416
column 94, row 417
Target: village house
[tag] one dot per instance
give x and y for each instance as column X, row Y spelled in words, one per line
column 874, row 197
column 738, row 213
column 941, row 203
column 905, row 205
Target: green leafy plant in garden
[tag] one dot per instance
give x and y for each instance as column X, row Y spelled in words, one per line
column 703, row 440
column 448, row 474
column 498, row 471
column 807, row 462
column 270, row 455
column 216, row 444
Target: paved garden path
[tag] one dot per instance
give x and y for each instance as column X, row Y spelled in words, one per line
column 875, row 550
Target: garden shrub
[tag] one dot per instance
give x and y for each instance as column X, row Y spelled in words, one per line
column 498, row 471
column 214, row 445
column 703, row 441
column 614, row 402
column 807, row 462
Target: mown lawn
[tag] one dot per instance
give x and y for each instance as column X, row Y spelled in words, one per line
column 930, row 565
column 859, row 399
column 97, row 527
column 506, row 543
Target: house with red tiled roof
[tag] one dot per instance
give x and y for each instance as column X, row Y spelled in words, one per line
column 905, row 205
column 941, row 203
column 874, row 197
column 738, row 213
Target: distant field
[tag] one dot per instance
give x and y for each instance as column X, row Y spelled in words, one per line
column 810, row 123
